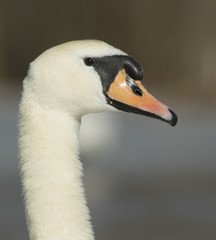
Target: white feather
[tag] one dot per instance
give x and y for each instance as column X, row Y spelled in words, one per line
column 58, row 90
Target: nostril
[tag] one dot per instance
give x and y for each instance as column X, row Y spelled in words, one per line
column 137, row 91
column 134, row 86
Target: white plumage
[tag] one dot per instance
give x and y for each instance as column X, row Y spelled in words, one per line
column 58, row 91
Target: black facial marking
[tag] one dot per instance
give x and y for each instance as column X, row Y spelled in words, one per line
column 109, row 66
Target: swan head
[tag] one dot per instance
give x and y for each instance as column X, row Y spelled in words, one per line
column 92, row 76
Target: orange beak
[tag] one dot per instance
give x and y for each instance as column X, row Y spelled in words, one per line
column 130, row 95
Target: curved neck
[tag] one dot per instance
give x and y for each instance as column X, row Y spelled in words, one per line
column 51, row 174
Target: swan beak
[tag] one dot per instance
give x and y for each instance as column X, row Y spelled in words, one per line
column 130, row 95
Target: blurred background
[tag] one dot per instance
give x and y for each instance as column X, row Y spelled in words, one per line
column 143, row 179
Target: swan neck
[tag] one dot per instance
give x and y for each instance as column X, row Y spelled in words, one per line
column 52, row 174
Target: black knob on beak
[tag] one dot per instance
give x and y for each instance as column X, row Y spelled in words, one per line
column 132, row 68
column 108, row 68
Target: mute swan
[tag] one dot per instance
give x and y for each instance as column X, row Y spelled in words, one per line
column 63, row 84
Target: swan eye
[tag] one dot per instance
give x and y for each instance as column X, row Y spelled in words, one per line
column 89, row 61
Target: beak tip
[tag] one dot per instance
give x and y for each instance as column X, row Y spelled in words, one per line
column 174, row 118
